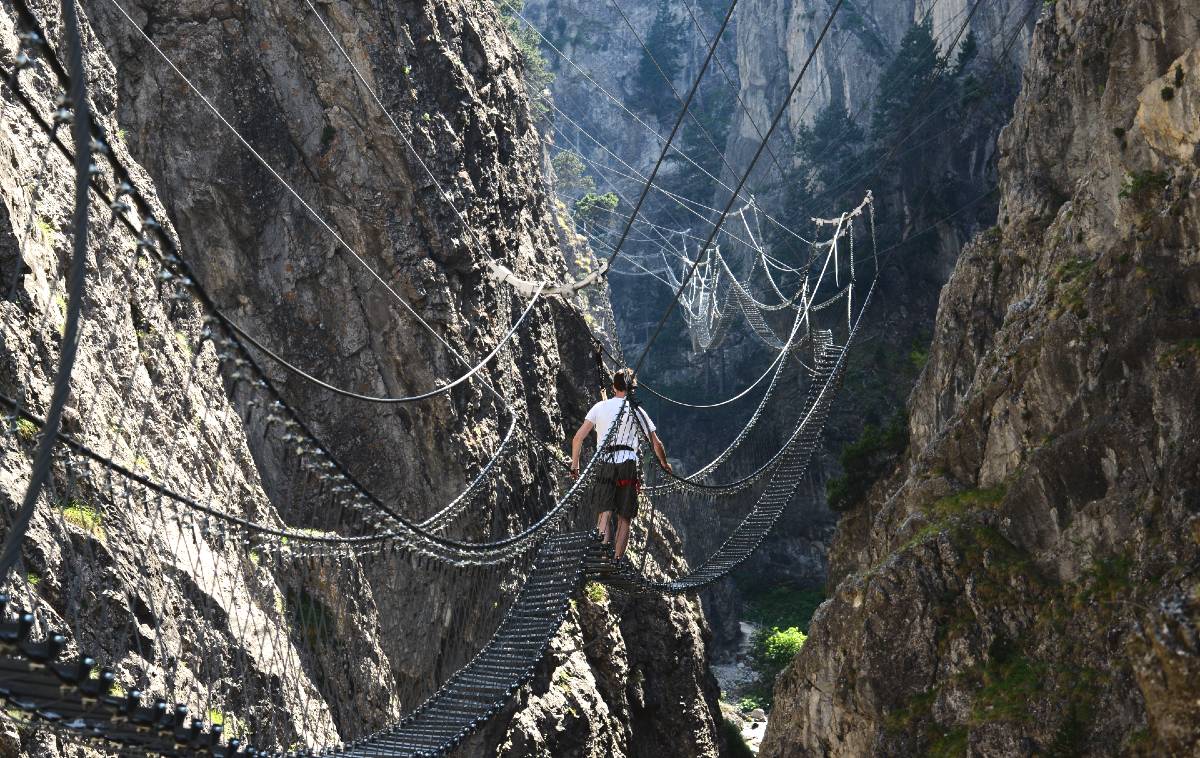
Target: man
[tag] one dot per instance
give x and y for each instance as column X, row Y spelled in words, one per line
column 620, row 476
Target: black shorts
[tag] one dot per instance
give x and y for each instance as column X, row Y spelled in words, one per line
column 618, row 487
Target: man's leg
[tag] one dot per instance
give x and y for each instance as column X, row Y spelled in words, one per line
column 602, row 525
column 622, row 535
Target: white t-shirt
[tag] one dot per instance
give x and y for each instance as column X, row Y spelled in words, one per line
column 604, row 413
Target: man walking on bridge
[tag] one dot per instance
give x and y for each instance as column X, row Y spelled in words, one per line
column 620, row 476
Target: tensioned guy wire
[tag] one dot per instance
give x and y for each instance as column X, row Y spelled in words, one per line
column 712, row 49
column 311, row 211
column 387, row 400
column 625, row 109
column 426, row 540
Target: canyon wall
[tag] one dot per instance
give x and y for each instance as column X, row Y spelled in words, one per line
column 103, row 562
column 1025, row 581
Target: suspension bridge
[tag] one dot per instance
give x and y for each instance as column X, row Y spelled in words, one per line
column 109, row 658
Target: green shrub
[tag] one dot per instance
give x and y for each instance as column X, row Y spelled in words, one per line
column 1108, row 580
column 571, row 174
column 749, row 703
column 310, row 617
column 596, row 208
column 949, row 744
column 1142, row 184
column 866, row 460
column 771, row 650
column 733, row 738
column 596, row 592
column 27, row 430
column 1179, row 350
column 1010, row 682
column 1168, row 93
column 918, row 357
column 965, row 501
column 84, row 516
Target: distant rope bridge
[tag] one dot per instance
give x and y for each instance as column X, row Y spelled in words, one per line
column 157, row 536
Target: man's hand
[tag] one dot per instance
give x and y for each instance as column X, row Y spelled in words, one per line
column 577, row 445
column 666, row 465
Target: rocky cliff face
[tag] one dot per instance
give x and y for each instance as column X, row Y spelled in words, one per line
column 932, row 184
column 449, row 77
column 1025, row 583
column 448, row 74
column 145, row 393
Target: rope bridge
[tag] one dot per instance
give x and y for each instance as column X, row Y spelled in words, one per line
column 232, row 625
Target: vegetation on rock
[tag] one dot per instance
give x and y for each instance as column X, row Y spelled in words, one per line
column 660, row 62
column 535, row 70
column 83, row 515
column 771, row 650
column 571, row 174
column 866, row 460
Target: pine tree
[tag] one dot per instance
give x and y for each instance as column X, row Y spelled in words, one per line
column 665, row 42
column 714, row 114
column 966, row 53
column 827, row 155
column 571, row 175
column 905, row 84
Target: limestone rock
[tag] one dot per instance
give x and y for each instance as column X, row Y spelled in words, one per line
column 1168, row 115
column 1013, row 587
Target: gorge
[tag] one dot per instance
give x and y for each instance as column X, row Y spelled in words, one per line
column 999, row 524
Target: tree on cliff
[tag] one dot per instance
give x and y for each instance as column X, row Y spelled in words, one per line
column 917, row 83
column 911, row 83
column 595, row 211
column 710, row 120
column 571, row 175
column 968, row 51
column 535, row 69
column 665, row 42
column 827, row 155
